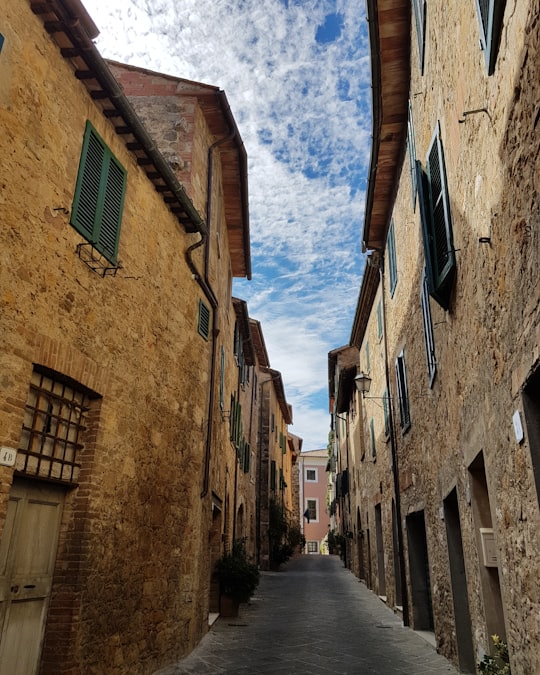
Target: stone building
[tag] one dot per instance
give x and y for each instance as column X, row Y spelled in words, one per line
column 122, row 476
column 315, row 519
column 276, row 480
column 447, row 327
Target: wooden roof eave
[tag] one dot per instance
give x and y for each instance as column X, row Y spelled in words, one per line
column 366, row 298
column 73, row 30
column 389, row 35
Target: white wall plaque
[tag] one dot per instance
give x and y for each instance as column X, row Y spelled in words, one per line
column 518, row 427
column 7, row 456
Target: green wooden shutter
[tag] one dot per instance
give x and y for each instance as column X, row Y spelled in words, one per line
column 386, row 412
column 429, row 338
column 420, row 20
column 203, row 326
column 403, row 392
column 442, row 241
column 372, row 434
column 411, row 145
column 99, row 195
column 490, row 17
column 436, row 223
column 392, row 262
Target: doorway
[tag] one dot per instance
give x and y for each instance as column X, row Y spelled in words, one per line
column 27, row 559
column 489, row 571
column 422, row 605
column 381, row 573
column 458, row 578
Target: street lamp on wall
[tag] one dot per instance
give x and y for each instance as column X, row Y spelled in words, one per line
column 363, row 383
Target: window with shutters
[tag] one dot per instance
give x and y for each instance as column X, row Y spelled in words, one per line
column 420, row 21
column 386, row 413
column 392, row 262
column 379, row 321
column 428, row 331
column 368, row 362
column 403, row 393
column 436, row 221
column 222, row 379
column 273, row 475
column 311, row 475
column 411, row 147
column 372, row 436
column 203, row 324
column 99, row 195
column 490, row 17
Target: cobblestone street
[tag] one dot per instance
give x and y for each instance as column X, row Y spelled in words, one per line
column 313, row 617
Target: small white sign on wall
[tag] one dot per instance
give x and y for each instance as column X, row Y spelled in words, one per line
column 518, row 427
column 7, row 456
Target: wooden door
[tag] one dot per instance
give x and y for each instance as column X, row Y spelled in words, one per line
column 27, row 557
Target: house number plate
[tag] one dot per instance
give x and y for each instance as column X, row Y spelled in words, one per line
column 7, row 456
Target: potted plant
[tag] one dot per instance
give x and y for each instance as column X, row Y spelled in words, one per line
column 238, row 578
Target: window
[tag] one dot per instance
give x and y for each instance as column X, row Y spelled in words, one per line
column 203, row 325
column 403, row 394
column 222, row 379
column 428, row 331
column 379, row 321
column 272, row 475
column 246, row 458
column 313, row 547
column 392, row 264
column 99, row 195
column 368, row 364
column 420, row 20
column 372, row 435
column 436, row 223
column 411, row 146
column 311, row 475
column 311, row 507
column 1, row 41
column 490, row 16
column 56, row 417
column 386, row 412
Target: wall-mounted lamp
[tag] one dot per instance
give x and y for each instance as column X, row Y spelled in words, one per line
column 363, row 383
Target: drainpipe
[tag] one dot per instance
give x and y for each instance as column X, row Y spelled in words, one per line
column 395, row 465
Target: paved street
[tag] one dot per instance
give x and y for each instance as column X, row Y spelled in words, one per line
column 312, row 617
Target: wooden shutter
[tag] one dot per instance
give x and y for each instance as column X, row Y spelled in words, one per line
column 428, row 331
column 490, row 17
column 436, row 223
column 411, row 146
column 99, row 195
column 392, row 262
column 372, row 434
column 203, row 326
column 403, row 394
column 420, row 20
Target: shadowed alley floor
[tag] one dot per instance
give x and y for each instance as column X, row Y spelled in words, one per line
column 313, row 617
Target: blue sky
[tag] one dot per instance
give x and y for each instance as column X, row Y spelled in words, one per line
column 297, row 77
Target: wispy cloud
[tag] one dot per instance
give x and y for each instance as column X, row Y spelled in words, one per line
column 296, row 75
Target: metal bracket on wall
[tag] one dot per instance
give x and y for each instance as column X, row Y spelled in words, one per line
column 93, row 259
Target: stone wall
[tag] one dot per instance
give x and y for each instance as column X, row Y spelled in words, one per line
column 130, row 591
column 486, row 344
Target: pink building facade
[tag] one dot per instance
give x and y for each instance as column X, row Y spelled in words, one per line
column 315, row 519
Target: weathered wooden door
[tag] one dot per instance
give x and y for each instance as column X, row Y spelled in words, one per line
column 27, row 556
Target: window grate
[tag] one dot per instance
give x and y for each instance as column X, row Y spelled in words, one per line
column 54, row 421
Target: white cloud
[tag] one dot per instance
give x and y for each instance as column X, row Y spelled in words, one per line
column 302, row 110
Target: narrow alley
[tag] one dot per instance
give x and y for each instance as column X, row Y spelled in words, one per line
column 312, row 617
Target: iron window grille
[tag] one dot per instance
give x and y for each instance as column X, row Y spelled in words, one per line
column 53, row 427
